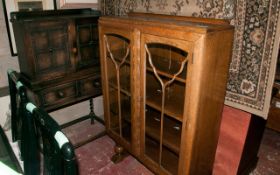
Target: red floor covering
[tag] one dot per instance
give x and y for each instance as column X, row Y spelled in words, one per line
column 94, row 157
column 269, row 154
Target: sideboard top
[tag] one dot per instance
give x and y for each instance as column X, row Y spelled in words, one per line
column 66, row 13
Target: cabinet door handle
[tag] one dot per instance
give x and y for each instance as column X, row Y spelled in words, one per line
column 60, row 94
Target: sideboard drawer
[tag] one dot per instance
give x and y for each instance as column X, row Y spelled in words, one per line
column 90, row 86
column 58, row 94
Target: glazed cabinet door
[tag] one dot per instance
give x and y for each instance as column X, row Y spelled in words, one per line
column 117, row 67
column 87, row 43
column 165, row 65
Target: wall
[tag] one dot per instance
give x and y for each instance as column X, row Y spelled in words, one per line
column 6, row 60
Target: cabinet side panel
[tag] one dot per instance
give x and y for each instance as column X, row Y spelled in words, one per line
column 26, row 64
column 211, row 73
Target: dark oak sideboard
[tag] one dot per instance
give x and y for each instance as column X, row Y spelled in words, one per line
column 58, row 54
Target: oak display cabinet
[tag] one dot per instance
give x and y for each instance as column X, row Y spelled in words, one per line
column 164, row 82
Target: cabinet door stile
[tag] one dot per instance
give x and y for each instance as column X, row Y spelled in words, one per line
column 135, row 85
column 104, row 76
column 187, row 137
column 117, row 62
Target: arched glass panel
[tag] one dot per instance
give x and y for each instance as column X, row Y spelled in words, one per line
column 118, row 77
column 166, row 68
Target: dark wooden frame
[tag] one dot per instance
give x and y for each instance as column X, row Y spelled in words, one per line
column 75, row 5
column 8, row 28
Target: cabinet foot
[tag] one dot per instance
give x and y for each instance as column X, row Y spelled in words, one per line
column 120, row 154
column 91, row 114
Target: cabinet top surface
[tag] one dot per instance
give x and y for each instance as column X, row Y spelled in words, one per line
column 197, row 25
column 47, row 14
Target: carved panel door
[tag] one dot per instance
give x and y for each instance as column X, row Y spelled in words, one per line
column 50, row 43
column 87, row 43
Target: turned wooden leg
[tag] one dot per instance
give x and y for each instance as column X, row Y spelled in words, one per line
column 91, row 108
column 120, row 154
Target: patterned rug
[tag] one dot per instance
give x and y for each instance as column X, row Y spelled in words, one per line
column 256, row 41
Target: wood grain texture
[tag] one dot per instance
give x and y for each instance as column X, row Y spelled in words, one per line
column 58, row 55
column 208, row 46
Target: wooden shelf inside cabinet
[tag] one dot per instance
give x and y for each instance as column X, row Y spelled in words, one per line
column 172, row 136
column 167, row 75
column 126, row 119
column 174, row 104
column 125, row 109
column 123, row 90
column 172, row 130
column 168, row 69
column 118, row 54
column 170, row 161
column 170, row 111
column 126, row 131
